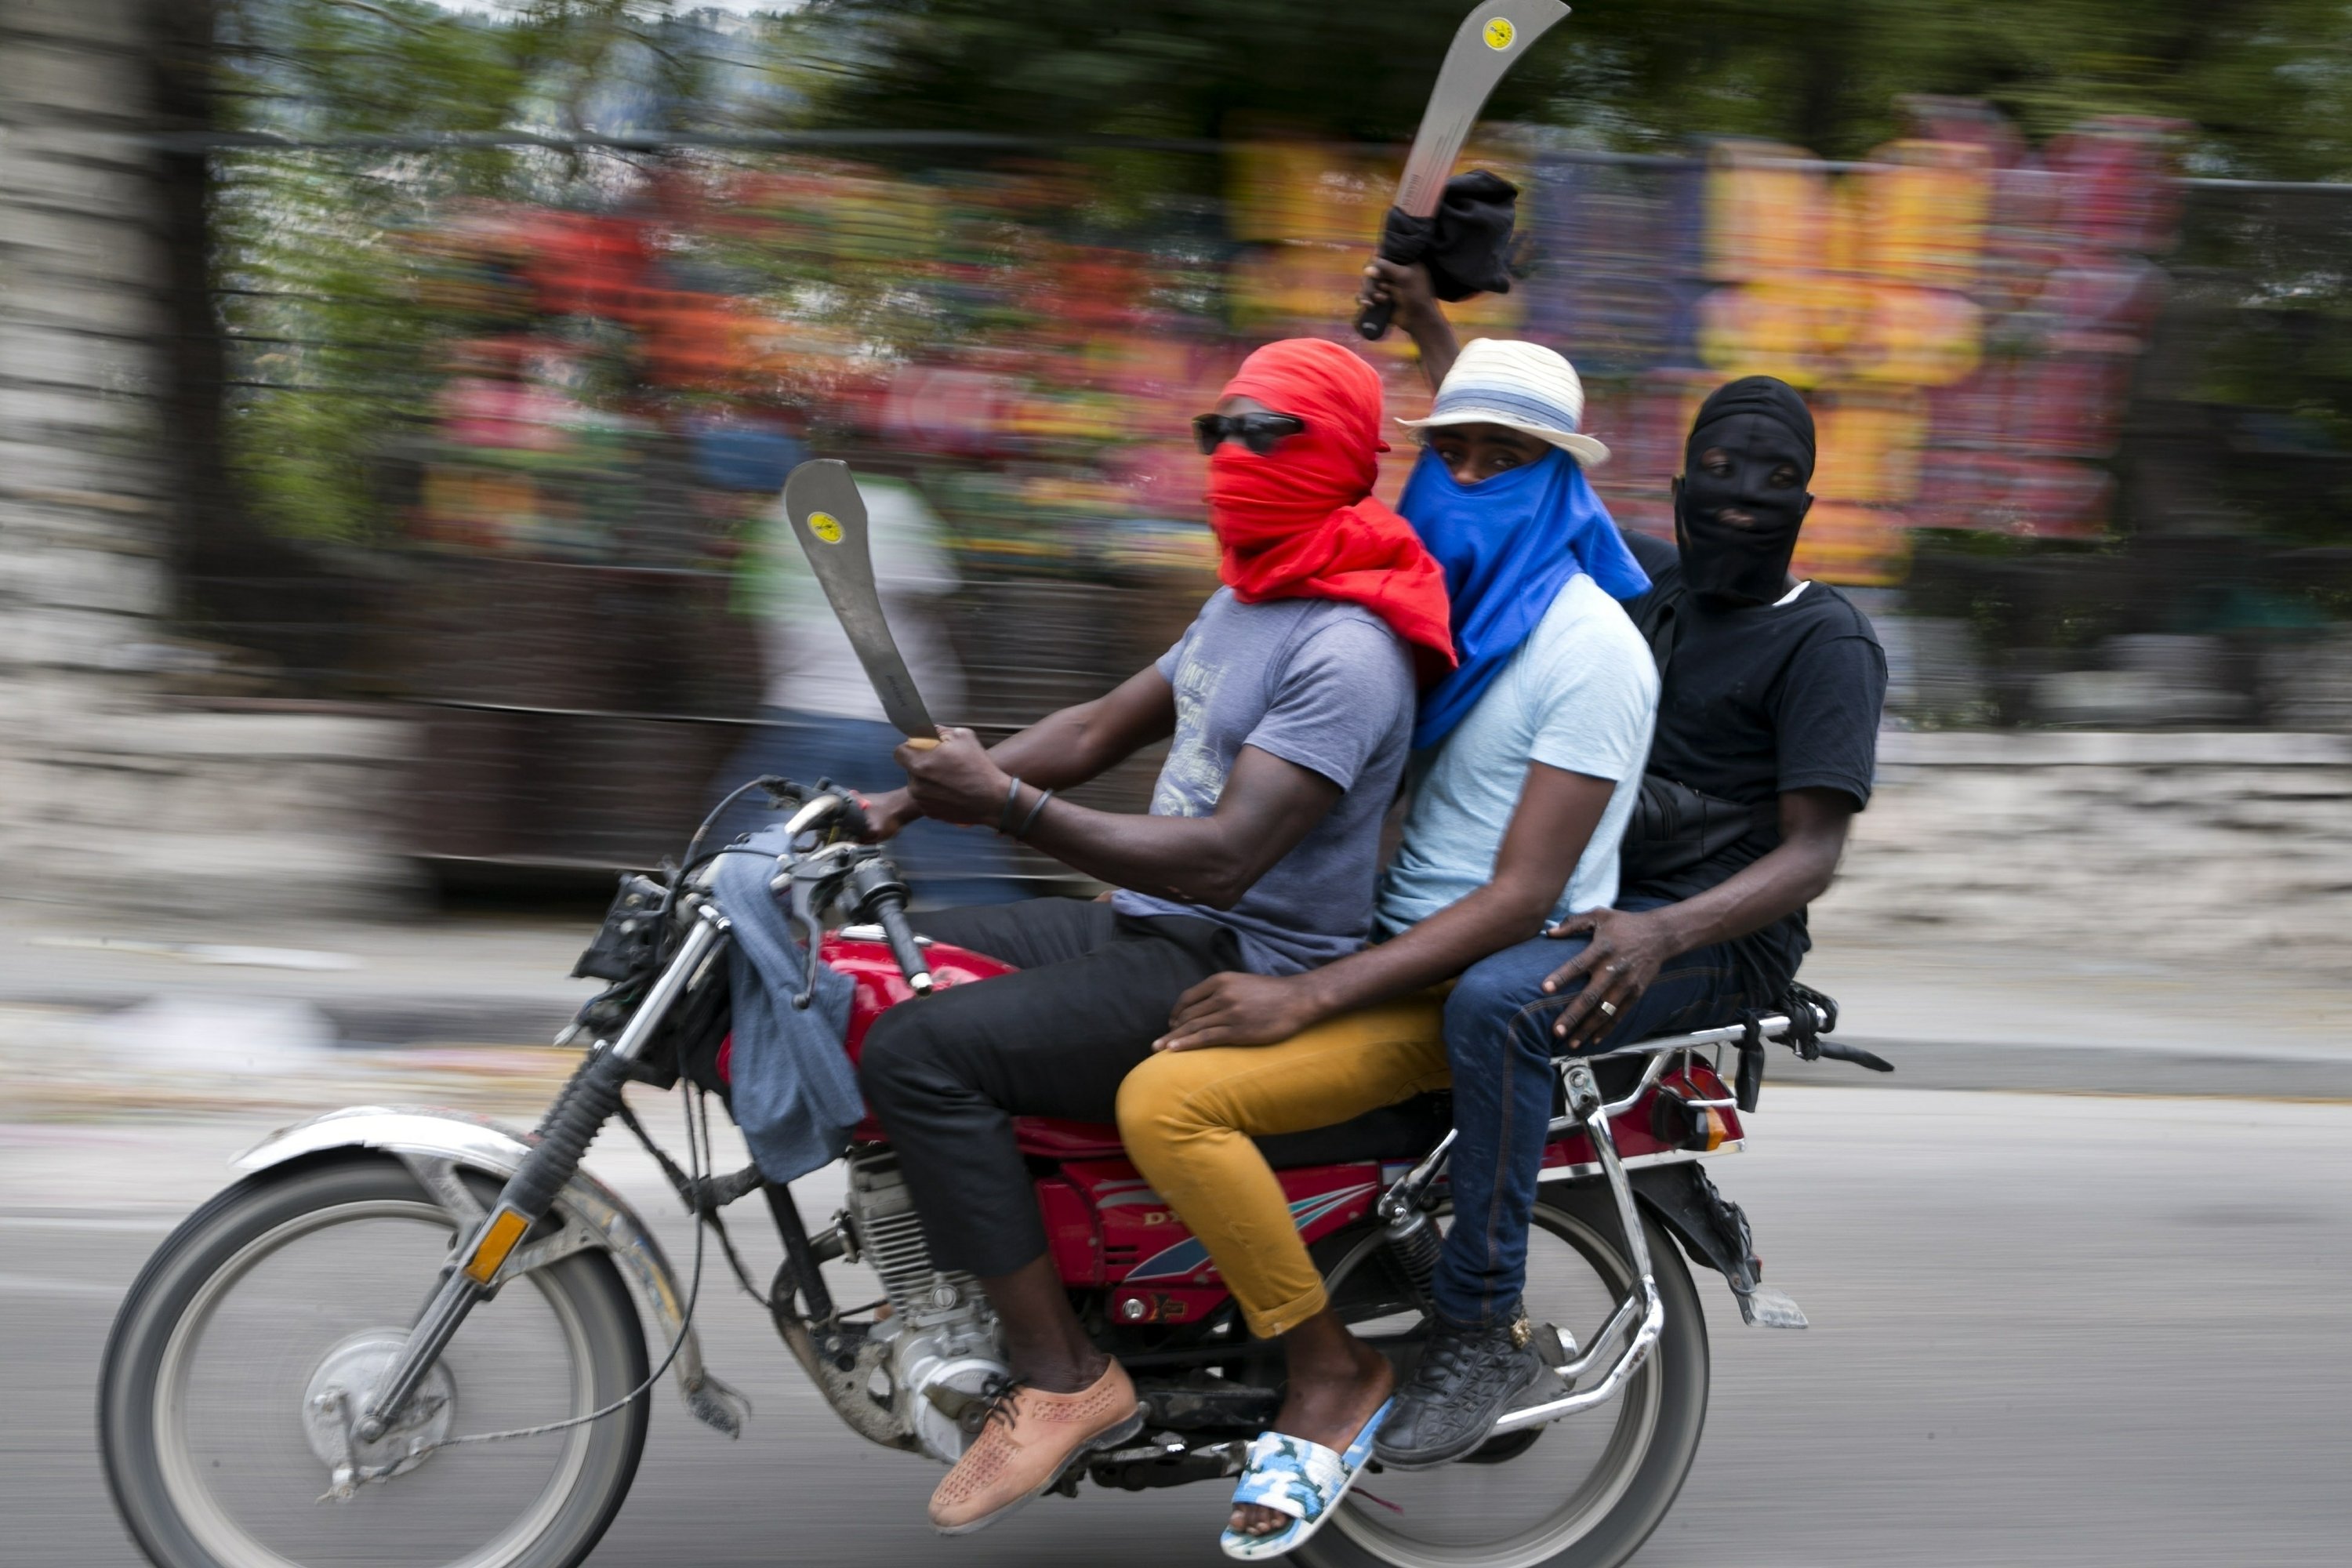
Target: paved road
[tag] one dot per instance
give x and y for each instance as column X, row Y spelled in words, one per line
column 2048, row 1329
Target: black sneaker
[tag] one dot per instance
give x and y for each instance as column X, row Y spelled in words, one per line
column 1466, row 1379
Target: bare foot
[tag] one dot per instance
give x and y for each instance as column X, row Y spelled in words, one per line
column 1336, row 1382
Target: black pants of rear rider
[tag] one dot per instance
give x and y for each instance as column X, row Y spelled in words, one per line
column 946, row 1073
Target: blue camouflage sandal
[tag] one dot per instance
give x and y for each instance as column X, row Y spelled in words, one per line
column 1303, row 1479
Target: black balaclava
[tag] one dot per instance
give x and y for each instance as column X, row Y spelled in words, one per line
column 1761, row 422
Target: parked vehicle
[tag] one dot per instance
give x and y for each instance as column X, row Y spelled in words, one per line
column 273, row 1396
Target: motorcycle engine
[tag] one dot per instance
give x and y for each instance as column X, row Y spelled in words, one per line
column 944, row 1356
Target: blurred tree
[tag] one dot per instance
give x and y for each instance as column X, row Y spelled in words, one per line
column 2267, row 82
column 320, row 356
column 223, row 561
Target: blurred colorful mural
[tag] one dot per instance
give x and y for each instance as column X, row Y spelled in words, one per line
column 618, row 385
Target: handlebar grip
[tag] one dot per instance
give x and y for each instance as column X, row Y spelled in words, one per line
column 1372, row 321
column 1838, row 1050
column 892, row 914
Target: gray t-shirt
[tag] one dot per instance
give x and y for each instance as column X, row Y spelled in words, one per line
column 1322, row 684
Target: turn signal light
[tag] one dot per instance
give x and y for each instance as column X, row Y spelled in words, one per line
column 1677, row 1123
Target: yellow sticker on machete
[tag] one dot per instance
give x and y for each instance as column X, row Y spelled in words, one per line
column 1499, row 33
column 825, row 526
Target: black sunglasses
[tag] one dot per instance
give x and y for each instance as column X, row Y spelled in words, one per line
column 1258, row 432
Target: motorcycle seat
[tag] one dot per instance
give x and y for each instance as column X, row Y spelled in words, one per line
column 1405, row 1131
column 1401, row 1131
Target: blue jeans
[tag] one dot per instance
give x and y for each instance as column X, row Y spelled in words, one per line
column 944, row 865
column 1498, row 1038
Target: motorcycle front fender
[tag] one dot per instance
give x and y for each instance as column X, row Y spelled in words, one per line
column 477, row 1144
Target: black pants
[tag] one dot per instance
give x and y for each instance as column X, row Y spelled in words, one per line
column 945, row 1074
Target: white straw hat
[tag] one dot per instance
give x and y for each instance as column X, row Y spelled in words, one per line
column 1522, row 386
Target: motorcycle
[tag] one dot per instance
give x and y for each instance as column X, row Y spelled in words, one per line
column 272, row 1398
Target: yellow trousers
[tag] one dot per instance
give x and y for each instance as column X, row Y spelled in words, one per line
column 1188, row 1116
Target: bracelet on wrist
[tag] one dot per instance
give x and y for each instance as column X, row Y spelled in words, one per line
column 1004, row 812
column 1030, row 821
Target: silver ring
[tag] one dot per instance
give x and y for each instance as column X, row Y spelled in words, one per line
column 1609, row 1009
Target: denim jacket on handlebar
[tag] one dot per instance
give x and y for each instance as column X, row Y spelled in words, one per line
column 795, row 1094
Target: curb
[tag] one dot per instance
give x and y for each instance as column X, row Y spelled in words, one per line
column 395, row 1022
column 2077, row 1069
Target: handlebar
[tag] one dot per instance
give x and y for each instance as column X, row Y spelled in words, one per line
column 871, row 883
column 891, row 912
column 881, row 898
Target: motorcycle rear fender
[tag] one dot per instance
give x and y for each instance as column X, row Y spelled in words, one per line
column 477, row 1144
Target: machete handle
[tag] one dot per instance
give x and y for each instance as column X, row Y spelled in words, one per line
column 1372, row 321
column 923, row 743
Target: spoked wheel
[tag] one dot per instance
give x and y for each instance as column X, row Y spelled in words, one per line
column 1583, row 1492
column 265, row 1318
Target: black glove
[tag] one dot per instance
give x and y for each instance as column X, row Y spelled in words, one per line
column 1466, row 243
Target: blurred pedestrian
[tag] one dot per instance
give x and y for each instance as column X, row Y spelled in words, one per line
column 822, row 718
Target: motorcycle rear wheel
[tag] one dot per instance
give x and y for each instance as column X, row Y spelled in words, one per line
column 1647, row 1436
column 199, row 1375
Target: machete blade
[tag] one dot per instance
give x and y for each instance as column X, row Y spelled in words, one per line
column 828, row 516
column 1488, row 43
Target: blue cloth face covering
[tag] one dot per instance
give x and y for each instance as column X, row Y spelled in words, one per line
column 1507, row 543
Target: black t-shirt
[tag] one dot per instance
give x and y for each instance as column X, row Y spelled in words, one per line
column 1757, row 701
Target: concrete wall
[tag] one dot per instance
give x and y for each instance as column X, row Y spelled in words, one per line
column 107, row 795
column 2176, row 847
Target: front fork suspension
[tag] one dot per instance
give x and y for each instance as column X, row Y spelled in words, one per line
column 587, row 1102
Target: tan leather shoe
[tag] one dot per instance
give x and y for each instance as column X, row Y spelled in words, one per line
column 1029, row 1440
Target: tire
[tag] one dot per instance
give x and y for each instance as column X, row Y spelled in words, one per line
column 150, row 1420
column 1658, row 1417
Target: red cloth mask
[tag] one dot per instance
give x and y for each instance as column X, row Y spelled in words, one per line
column 1301, row 523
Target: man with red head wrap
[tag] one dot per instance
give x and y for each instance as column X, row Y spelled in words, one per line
column 1281, row 535
column 1289, row 707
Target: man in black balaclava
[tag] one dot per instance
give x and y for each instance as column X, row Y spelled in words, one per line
column 1765, row 744
column 1765, row 741
column 1741, row 497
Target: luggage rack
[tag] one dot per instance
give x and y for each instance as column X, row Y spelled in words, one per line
column 1665, row 1049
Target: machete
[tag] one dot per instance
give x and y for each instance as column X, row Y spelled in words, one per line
column 1488, row 43
column 829, row 517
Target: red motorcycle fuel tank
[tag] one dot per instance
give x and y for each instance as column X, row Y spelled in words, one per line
column 879, row 984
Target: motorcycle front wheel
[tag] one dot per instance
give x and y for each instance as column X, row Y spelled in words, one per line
column 1583, row 1492
column 234, row 1361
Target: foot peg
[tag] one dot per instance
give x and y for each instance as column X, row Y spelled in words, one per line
column 718, row 1406
column 1763, row 1307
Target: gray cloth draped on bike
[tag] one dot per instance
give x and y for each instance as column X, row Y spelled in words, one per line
column 795, row 1094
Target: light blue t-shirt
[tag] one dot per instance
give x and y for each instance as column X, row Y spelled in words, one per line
column 1580, row 695
column 1322, row 684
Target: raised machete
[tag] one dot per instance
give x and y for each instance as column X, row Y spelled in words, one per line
column 1488, row 43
